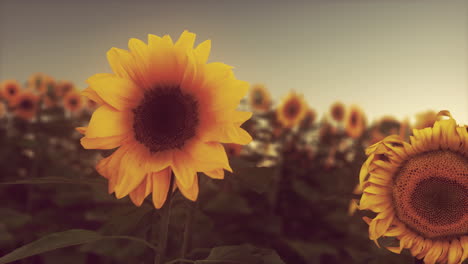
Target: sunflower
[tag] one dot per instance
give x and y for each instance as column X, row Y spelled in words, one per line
column 309, row 118
column 41, row 83
column 259, row 98
column 355, row 122
column 425, row 119
column 3, row 110
column 73, row 101
column 9, row 89
column 25, row 105
column 63, row 87
column 419, row 191
column 292, row 110
column 337, row 111
column 168, row 112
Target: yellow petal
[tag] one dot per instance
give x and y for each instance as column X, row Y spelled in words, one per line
column 122, row 94
column 92, row 95
column 190, row 193
column 131, row 171
column 185, row 41
column 215, row 174
column 183, row 167
column 103, row 142
column 208, row 156
column 107, row 122
column 139, row 194
column 161, row 181
column 202, row 51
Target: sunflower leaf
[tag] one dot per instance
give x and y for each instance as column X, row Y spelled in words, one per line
column 60, row 180
column 51, row 242
column 241, row 254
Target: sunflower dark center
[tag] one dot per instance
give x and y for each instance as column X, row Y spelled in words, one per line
column 11, row 90
column 73, row 102
column 338, row 113
column 292, row 109
column 354, row 119
column 26, row 104
column 431, row 194
column 38, row 81
column 440, row 200
column 165, row 119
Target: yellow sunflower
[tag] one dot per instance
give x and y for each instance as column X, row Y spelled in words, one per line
column 168, row 112
column 292, row 110
column 337, row 111
column 355, row 122
column 309, row 118
column 419, row 191
column 9, row 89
column 41, row 83
column 259, row 98
column 73, row 101
column 63, row 87
column 25, row 105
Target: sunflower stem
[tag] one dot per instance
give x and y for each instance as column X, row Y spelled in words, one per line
column 165, row 217
column 190, row 211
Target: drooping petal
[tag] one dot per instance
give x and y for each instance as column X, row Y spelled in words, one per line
column 161, row 181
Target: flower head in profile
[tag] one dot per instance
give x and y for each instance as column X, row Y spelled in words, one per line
column 259, row 98
column 355, row 122
column 25, row 105
column 419, row 192
column 168, row 113
column 9, row 89
column 292, row 110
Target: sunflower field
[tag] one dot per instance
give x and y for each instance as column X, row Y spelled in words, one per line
column 170, row 159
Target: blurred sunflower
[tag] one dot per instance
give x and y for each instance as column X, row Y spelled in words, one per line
column 73, row 101
column 292, row 110
column 168, row 112
column 63, row 87
column 355, row 122
column 259, row 98
column 337, row 111
column 25, row 105
column 9, row 89
column 419, row 192
column 309, row 118
column 3, row 110
column 41, row 83
column 425, row 119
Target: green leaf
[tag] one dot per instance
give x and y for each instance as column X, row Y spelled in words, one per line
column 63, row 239
column 55, row 180
column 242, row 254
column 51, row 242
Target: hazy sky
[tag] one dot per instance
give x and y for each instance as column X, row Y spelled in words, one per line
column 390, row 57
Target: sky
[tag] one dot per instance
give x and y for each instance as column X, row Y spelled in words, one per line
column 389, row 57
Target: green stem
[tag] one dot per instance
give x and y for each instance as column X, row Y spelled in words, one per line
column 188, row 230
column 165, row 215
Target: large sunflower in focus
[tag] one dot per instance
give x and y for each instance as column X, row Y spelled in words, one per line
column 291, row 110
column 167, row 111
column 419, row 191
column 259, row 98
column 355, row 122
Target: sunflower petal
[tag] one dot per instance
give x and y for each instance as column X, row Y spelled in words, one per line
column 190, row 193
column 161, row 181
column 107, row 122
